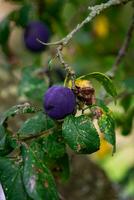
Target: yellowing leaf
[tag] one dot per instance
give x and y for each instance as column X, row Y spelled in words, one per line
column 105, row 148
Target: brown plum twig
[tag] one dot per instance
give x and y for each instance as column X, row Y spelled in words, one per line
column 69, row 71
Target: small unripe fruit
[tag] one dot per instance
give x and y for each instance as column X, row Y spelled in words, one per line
column 59, row 102
column 34, row 30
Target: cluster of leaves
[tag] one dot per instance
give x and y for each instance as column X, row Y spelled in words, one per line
column 35, row 156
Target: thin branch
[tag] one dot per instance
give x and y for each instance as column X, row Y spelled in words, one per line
column 123, row 50
column 60, row 56
column 70, row 74
column 94, row 11
column 124, row 94
column 42, row 134
column 121, row 95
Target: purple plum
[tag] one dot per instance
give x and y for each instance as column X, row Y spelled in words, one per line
column 59, row 102
column 34, row 30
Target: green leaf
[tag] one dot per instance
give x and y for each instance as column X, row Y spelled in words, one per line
column 102, row 105
column 59, row 167
column 107, row 127
column 11, row 179
column 21, row 16
column 36, row 124
column 104, row 80
column 4, row 31
column 127, row 101
column 129, row 84
column 53, row 146
column 106, row 121
column 19, row 109
column 128, row 122
column 54, row 157
column 5, row 141
column 38, row 180
column 2, row 137
column 37, row 148
column 31, row 84
column 80, row 134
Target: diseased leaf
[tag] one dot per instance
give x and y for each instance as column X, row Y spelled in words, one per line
column 104, row 80
column 107, row 127
column 80, row 134
column 36, row 124
column 11, row 179
column 54, row 156
column 106, row 121
column 53, row 145
column 38, row 180
column 19, row 109
column 37, row 148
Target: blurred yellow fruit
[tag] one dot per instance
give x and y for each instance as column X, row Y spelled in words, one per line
column 101, row 26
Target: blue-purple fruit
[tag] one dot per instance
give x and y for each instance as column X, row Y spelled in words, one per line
column 34, row 30
column 59, row 102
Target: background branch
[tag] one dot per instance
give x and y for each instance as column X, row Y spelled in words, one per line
column 123, row 50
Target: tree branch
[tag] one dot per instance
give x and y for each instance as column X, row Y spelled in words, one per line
column 42, row 134
column 94, row 11
column 123, row 50
column 70, row 74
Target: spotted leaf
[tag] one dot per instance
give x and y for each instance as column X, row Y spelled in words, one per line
column 38, row 180
column 80, row 134
column 107, row 127
column 11, row 179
